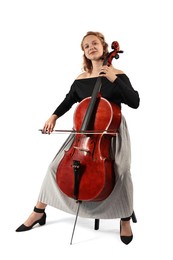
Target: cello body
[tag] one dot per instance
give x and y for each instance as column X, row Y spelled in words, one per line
column 86, row 171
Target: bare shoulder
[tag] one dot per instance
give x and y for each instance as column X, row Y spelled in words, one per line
column 82, row 75
column 117, row 71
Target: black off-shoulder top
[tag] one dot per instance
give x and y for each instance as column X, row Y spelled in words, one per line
column 118, row 92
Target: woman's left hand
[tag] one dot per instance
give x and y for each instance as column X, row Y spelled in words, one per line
column 108, row 72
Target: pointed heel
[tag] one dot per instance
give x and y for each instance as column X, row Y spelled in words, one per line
column 134, row 219
column 127, row 239
column 41, row 221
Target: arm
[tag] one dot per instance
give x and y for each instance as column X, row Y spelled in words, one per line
column 128, row 95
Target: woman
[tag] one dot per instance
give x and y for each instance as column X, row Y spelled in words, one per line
column 116, row 88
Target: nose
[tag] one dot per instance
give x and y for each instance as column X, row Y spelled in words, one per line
column 91, row 48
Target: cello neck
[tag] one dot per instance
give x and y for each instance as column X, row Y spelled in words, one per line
column 91, row 106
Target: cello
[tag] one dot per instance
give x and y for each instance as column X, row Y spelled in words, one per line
column 85, row 173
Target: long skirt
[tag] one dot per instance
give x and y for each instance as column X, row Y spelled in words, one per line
column 119, row 204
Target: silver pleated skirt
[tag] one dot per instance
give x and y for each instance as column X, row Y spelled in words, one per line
column 119, row 204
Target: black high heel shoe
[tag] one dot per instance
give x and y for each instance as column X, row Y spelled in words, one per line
column 41, row 221
column 127, row 239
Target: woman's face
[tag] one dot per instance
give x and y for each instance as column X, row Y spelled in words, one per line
column 93, row 48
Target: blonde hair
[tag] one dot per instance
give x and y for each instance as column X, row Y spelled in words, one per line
column 87, row 65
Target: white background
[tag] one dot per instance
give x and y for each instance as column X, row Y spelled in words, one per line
column 40, row 57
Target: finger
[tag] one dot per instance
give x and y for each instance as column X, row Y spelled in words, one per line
column 102, row 71
column 50, row 128
column 44, row 129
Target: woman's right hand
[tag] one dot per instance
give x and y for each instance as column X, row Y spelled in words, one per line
column 49, row 124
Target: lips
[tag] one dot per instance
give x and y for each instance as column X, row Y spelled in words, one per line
column 92, row 52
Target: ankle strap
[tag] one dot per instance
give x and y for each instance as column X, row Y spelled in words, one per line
column 126, row 219
column 39, row 210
